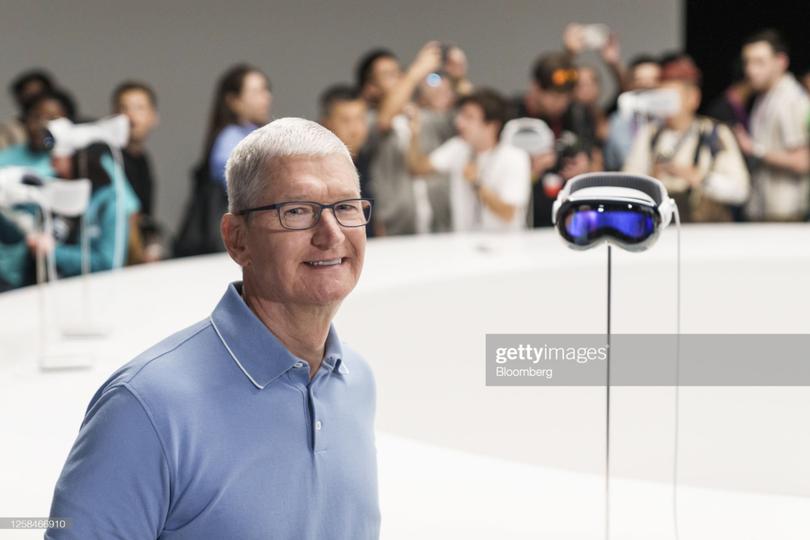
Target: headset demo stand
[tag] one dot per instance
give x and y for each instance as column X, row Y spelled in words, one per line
column 629, row 211
column 69, row 138
column 65, row 138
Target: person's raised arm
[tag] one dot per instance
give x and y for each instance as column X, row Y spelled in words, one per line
column 418, row 162
column 427, row 61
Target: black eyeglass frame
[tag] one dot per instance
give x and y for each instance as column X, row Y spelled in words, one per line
column 322, row 207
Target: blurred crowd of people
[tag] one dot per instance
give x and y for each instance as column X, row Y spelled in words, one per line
column 441, row 153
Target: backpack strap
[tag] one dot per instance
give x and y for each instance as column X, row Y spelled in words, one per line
column 709, row 138
column 655, row 136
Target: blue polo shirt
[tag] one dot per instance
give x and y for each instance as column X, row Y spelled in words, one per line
column 218, row 433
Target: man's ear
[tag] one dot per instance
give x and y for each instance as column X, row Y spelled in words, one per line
column 784, row 61
column 234, row 235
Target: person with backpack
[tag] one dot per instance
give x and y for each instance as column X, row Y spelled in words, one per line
column 696, row 158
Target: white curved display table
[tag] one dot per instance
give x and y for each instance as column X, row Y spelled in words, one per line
column 458, row 459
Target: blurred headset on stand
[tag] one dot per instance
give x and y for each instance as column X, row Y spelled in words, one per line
column 628, row 211
column 67, row 198
column 655, row 104
column 68, row 138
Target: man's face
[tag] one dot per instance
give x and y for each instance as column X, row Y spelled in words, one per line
column 763, row 66
column 645, row 76
column 471, row 125
column 552, row 103
column 143, row 117
column 348, row 120
column 276, row 260
column 37, row 121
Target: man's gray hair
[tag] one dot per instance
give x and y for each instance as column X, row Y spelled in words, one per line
column 251, row 163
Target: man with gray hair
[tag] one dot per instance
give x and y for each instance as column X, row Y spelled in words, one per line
column 257, row 422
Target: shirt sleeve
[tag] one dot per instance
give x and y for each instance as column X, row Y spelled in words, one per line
column 445, row 157
column 115, row 483
column 794, row 123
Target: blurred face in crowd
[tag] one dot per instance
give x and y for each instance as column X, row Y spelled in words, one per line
column 689, row 95
column 645, row 76
column 436, row 94
column 253, row 102
column 385, row 74
column 276, row 261
column 473, row 128
column 348, row 120
column 143, row 117
column 37, row 121
column 763, row 66
column 456, row 65
column 587, row 89
column 28, row 91
column 552, row 104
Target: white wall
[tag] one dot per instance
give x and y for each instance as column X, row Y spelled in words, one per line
column 182, row 46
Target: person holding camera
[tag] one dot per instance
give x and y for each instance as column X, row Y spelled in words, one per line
column 572, row 157
column 438, row 74
column 490, row 181
column 695, row 157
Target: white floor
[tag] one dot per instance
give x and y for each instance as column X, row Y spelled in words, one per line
column 458, row 459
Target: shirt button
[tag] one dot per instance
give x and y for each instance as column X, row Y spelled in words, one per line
column 298, row 364
column 318, row 425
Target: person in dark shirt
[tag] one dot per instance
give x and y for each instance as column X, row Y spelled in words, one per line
column 138, row 102
column 344, row 112
column 550, row 98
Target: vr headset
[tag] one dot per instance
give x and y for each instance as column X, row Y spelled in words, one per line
column 529, row 134
column 624, row 209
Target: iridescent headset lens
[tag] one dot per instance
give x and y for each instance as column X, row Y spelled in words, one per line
column 631, row 225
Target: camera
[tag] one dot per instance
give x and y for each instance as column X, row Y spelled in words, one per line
column 435, row 79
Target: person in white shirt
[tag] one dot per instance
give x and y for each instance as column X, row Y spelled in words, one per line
column 490, row 182
column 779, row 141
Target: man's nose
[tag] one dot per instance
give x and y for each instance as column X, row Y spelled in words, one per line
column 328, row 231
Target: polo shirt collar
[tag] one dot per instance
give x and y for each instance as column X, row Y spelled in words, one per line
column 256, row 350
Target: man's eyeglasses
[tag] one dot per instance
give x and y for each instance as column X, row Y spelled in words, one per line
column 300, row 215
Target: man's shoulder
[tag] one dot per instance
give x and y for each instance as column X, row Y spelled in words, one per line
column 509, row 155
column 510, row 150
column 786, row 96
column 455, row 145
column 158, row 368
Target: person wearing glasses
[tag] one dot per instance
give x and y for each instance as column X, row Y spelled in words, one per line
column 258, row 421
